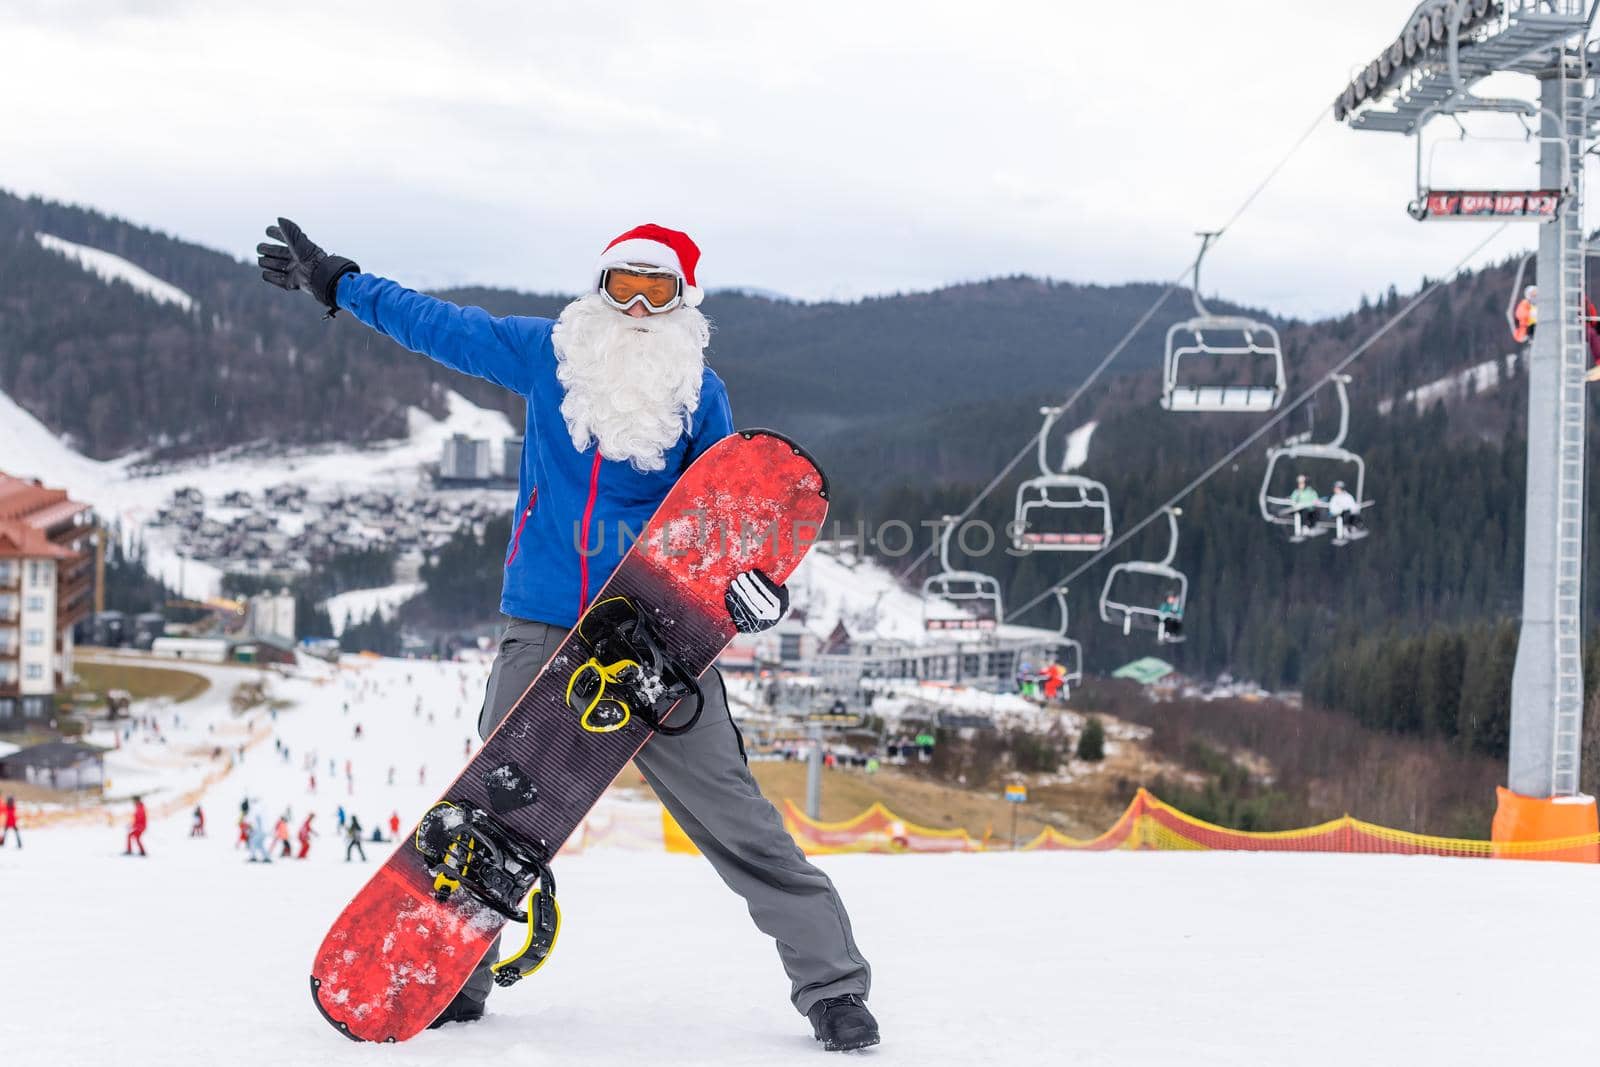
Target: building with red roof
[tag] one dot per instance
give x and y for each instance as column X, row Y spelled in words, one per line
column 47, row 575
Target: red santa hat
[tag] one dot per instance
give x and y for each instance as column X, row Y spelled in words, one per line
column 657, row 248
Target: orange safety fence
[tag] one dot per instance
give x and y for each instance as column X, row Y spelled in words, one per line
column 1150, row 824
column 875, row 830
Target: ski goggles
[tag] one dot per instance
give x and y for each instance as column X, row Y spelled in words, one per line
column 623, row 288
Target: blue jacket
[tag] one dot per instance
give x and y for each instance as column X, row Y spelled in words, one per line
column 559, row 488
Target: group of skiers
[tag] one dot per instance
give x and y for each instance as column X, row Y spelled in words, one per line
column 262, row 844
column 1308, row 503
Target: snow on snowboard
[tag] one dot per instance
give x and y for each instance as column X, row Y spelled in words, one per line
column 401, row 950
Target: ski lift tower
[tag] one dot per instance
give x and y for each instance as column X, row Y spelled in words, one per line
column 1427, row 73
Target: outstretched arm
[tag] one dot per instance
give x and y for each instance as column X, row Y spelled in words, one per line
column 467, row 339
column 470, row 340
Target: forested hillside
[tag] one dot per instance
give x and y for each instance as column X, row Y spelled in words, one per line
column 1447, row 527
column 120, row 372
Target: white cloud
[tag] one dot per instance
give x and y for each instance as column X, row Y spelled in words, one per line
column 825, row 149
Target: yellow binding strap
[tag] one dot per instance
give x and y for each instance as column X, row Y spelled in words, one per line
column 546, row 946
column 608, row 674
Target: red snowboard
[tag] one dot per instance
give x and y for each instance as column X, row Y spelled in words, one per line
column 397, row 955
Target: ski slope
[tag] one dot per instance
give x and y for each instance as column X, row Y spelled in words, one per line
column 360, row 604
column 1119, row 958
column 113, row 268
column 1479, row 378
column 833, row 585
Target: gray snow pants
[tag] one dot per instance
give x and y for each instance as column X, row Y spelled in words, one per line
column 702, row 779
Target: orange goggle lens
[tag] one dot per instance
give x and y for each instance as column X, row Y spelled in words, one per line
column 660, row 291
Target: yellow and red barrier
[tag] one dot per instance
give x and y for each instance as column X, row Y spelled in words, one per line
column 1151, row 824
column 875, row 830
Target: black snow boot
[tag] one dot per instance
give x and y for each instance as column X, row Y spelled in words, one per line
column 843, row 1023
column 463, row 1009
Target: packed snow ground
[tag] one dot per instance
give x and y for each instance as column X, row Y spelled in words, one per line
column 193, row 956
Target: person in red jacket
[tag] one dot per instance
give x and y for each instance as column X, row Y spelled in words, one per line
column 394, row 825
column 305, row 835
column 1526, row 316
column 136, row 830
column 11, row 822
column 1055, row 677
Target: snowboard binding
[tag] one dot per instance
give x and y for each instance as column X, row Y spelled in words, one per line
column 627, row 673
column 467, row 849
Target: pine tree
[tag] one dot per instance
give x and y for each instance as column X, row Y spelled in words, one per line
column 1092, row 742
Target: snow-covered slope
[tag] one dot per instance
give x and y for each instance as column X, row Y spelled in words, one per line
column 833, row 585
column 29, row 449
column 1116, row 959
column 1478, row 378
column 359, row 604
column 113, row 268
column 1078, row 446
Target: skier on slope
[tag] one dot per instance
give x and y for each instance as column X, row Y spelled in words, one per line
column 136, row 828
column 352, row 836
column 305, row 836
column 259, row 852
column 10, row 822
column 619, row 402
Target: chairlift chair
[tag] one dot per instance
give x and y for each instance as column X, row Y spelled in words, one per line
column 1213, row 340
column 971, row 590
column 1280, row 510
column 1479, row 204
column 1128, row 615
column 1058, row 511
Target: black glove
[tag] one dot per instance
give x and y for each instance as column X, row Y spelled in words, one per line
column 299, row 264
column 755, row 602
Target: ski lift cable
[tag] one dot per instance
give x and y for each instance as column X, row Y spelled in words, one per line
column 1260, row 431
column 1127, row 338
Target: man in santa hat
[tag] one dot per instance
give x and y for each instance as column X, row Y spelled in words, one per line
column 619, row 402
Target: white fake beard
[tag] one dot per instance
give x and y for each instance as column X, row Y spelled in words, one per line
column 632, row 385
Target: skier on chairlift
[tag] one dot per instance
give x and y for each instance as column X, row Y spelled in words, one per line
column 1341, row 503
column 1526, row 315
column 1171, row 621
column 1303, row 498
column 620, row 401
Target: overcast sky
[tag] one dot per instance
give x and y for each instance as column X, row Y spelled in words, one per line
column 821, row 149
